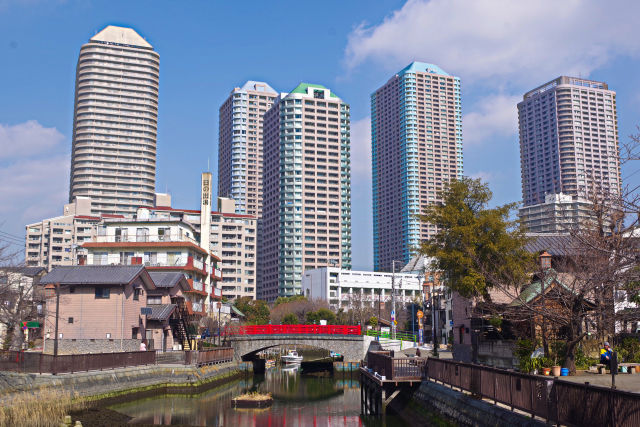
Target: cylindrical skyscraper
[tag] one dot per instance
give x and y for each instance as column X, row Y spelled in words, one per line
column 113, row 159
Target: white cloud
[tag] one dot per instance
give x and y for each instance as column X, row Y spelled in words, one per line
column 34, row 174
column 486, row 39
column 27, row 139
column 493, row 116
column 361, row 149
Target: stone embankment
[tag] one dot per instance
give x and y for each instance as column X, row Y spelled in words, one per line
column 464, row 410
column 96, row 385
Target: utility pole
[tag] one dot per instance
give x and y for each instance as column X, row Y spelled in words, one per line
column 393, row 299
column 55, row 341
column 433, row 319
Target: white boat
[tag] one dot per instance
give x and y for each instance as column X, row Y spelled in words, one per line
column 291, row 357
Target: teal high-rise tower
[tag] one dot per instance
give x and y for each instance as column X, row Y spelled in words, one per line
column 416, row 147
column 306, row 221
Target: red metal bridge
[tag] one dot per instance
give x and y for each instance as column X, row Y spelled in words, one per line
column 294, row 330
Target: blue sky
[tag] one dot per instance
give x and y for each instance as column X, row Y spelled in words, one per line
column 499, row 48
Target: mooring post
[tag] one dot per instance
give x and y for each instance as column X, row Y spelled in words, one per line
column 383, row 401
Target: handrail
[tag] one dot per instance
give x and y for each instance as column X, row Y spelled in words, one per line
column 562, row 402
column 404, row 336
column 294, row 329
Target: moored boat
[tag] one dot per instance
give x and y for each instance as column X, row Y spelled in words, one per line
column 291, row 357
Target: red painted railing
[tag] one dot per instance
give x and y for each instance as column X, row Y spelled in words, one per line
column 294, row 329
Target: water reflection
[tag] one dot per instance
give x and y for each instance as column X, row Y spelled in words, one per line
column 298, row 401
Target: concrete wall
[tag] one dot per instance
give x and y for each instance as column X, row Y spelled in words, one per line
column 83, row 346
column 497, row 353
column 465, row 410
column 123, row 380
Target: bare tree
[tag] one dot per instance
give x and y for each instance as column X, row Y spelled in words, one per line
column 18, row 298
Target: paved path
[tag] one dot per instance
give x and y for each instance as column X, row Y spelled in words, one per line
column 627, row 382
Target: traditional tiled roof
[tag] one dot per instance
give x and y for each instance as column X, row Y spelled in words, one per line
column 161, row 311
column 555, row 244
column 166, row 279
column 93, row 275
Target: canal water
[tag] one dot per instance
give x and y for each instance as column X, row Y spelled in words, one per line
column 299, row 400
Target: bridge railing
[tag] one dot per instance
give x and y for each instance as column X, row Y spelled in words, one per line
column 402, row 336
column 294, row 330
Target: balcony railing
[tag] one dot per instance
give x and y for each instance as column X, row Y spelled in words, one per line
column 144, row 239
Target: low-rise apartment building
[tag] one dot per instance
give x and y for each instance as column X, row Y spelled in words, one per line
column 345, row 288
column 54, row 241
column 160, row 244
column 232, row 238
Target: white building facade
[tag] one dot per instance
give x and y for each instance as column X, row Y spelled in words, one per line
column 342, row 288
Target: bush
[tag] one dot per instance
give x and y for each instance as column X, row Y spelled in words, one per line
column 290, row 319
column 629, row 350
column 583, row 361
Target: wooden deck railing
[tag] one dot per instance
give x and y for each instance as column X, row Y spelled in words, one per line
column 397, row 368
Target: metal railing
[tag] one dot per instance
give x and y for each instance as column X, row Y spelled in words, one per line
column 28, row 362
column 294, row 329
column 554, row 400
column 403, row 336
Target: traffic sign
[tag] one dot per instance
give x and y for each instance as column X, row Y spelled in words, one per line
column 420, row 314
column 393, row 314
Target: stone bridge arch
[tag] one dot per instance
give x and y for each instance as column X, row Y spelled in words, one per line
column 352, row 347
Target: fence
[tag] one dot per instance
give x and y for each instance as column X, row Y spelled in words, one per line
column 294, row 329
column 209, row 356
column 400, row 369
column 28, row 362
column 554, row 400
column 402, row 336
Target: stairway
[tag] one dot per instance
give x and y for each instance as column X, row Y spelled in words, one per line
column 179, row 328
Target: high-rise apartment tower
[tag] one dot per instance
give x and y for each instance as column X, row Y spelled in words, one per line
column 240, row 146
column 113, row 159
column 569, row 140
column 416, row 146
column 307, row 189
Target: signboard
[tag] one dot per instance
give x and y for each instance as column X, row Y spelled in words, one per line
column 420, row 337
column 206, row 189
column 145, row 310
column 420, row 314
column 451, row 322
